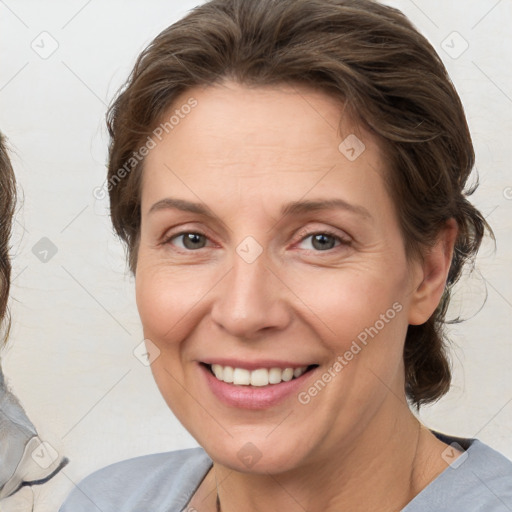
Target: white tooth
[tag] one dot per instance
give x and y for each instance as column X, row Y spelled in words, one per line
column 259, row 377
column 228, row 374
column 241, row 377
column 217, row 370
column 299, row 371
column 274, row 375
column 287, row 374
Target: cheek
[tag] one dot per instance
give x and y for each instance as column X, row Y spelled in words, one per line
column 169, row 300
column 361, row 318
column 165, row 306
column 160, row 306
column 345, row 302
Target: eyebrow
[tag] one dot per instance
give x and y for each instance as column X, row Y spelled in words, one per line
column 298, row 207
column 295, row 207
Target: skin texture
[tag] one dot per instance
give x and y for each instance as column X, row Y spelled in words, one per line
column 244, row 153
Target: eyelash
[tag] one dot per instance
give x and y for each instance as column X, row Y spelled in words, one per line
column 342, row 241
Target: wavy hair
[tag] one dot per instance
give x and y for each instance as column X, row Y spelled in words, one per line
column 7, row 206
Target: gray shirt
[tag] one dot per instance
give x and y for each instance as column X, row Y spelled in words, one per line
column 24, row 458
column 480, row 480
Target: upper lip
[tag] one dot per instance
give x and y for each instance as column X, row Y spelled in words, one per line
column 255, row 364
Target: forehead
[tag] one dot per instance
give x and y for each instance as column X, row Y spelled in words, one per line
column 283, row 119
column 238, row 142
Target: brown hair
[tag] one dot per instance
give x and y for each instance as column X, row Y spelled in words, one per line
column 7, row 205
column 370, row 57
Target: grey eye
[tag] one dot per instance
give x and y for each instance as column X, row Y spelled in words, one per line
column 323, row 241
column 320, row 241
column 192, row 240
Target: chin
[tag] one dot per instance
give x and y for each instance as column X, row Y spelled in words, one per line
column 257, row 454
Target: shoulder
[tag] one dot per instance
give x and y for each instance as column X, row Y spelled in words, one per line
column 491, row 473
column 153, row 482
column 480, row 480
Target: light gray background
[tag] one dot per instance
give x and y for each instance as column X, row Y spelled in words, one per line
column 75, row 323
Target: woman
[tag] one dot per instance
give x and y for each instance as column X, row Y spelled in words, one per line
column 24, row 459
column 288, row 176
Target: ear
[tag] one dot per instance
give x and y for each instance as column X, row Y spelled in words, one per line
column 431, row 275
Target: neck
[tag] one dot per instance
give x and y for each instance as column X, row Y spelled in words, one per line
column 382, row 468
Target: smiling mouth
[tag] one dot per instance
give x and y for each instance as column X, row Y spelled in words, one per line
column 258, row 377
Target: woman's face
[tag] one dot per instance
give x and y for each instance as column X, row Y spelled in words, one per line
column 268, row 242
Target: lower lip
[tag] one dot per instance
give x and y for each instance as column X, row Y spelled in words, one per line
column 253, row 397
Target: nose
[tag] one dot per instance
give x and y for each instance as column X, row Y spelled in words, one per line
column 252, row 299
